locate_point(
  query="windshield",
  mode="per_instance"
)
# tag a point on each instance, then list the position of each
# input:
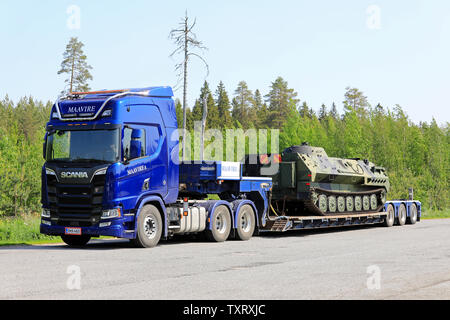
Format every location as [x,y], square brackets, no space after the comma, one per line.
[83,146]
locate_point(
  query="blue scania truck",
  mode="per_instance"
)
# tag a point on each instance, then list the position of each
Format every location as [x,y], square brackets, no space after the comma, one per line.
[112,168]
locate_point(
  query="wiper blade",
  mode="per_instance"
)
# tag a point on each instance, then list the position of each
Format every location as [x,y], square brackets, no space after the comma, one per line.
[89,160]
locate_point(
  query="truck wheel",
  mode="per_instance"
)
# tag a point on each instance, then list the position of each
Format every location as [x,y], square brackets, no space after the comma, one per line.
[412,214]
[149,227]
[221,225]
[76,241]
[402,215]
[245,223]
[390,217]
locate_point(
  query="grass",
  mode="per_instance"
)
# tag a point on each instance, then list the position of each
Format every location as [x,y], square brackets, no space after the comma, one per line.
[430,214]
[23,230]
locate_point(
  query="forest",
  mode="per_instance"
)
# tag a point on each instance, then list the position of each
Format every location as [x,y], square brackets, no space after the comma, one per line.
[416,155]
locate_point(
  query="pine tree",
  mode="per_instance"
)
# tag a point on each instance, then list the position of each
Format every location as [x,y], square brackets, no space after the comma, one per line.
[75,65]
[281,100]
[242,102]
[355,100]
[323,112]
[223,106]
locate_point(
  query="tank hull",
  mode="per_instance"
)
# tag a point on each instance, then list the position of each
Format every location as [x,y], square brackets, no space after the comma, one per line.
[309,183]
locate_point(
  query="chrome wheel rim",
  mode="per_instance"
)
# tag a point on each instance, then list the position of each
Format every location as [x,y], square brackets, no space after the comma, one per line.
[221,223]
[246,221]
[150,227]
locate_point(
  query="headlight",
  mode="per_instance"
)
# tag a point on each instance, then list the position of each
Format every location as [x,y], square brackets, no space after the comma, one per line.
[107,113]
[111,213]
[50,172]
[45,213]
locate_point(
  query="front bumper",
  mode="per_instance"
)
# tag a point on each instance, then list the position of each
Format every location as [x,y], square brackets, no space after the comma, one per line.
[117,229]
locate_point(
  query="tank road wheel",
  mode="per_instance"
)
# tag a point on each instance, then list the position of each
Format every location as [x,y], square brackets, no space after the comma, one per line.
[221,225]
[323,205]
[246,223]
[366,203]
[149,227]
[412,214]
[349,204]
[358,203]
[383,197]
[402,215]
[75,241]
[341,204]
[373,202]
[390,217]
[332,204]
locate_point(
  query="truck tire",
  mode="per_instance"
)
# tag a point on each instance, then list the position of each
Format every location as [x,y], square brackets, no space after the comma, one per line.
[220,225]
[245,223]
[149,227]
[390,217]
[75,241]
[402,215]
[412,214]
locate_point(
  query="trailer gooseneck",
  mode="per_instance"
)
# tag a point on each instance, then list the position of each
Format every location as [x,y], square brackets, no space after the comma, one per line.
[112,168]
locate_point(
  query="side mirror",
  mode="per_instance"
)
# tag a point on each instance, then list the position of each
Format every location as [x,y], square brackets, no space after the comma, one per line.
[44,147]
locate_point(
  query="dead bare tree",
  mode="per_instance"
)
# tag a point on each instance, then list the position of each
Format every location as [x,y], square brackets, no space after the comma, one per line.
[186,43]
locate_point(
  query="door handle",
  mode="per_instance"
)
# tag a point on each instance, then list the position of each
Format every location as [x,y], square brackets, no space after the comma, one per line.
[146,185]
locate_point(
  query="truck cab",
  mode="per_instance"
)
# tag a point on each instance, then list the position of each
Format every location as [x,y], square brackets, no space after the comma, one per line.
[112,155]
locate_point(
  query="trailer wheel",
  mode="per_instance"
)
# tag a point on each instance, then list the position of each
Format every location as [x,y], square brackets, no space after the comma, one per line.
[402,215]
[390,217]
[245,223]
[221,225]
[75,241]
[412,214]
[149,228]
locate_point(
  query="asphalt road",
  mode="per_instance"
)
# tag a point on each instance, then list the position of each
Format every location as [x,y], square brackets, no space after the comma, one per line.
[410,262]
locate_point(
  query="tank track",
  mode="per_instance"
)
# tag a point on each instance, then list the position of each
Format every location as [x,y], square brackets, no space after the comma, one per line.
[312,207]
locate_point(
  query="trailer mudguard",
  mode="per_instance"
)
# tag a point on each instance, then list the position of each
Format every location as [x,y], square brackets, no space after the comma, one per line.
[211,205]
[236,205]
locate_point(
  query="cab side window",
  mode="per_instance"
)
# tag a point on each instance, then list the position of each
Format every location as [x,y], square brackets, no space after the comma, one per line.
[134,143]
[154,139]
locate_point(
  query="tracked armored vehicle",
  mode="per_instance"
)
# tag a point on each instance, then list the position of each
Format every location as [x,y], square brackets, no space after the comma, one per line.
[308,182]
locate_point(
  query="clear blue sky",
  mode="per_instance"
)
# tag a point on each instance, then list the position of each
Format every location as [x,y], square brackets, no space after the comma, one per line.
[319,47]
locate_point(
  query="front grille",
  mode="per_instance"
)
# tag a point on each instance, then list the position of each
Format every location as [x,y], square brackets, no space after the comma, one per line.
[76,204]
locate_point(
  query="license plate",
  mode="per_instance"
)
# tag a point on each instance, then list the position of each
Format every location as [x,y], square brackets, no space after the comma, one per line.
[73,231]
